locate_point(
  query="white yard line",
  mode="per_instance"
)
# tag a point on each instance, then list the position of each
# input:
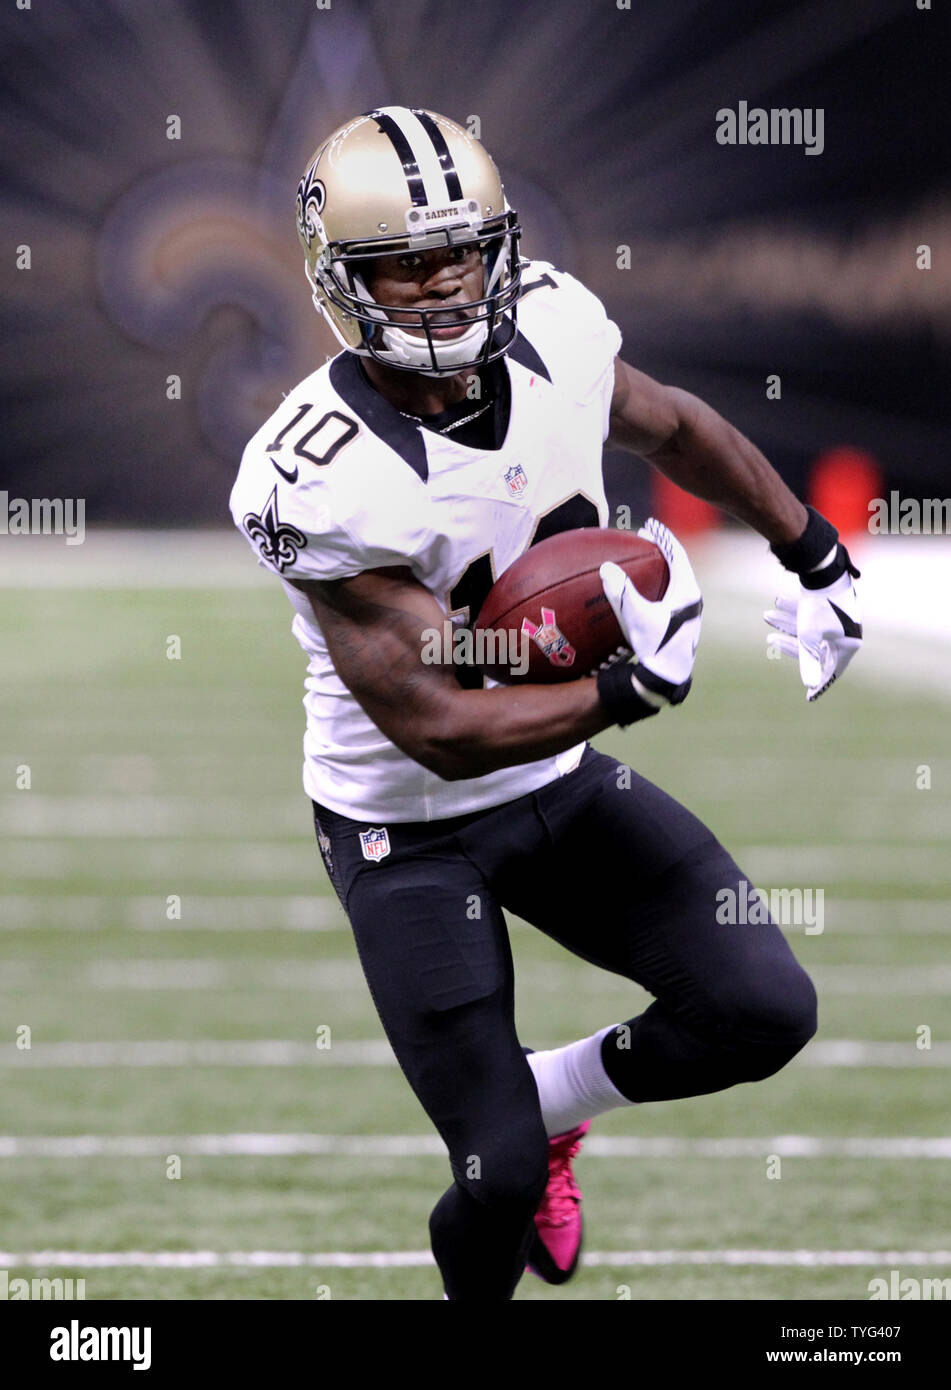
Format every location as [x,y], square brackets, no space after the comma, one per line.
[268,912]
[924,916]
[132,815]
[149,816]
[211,974]
[404,1259]
[886,980]
[342,974]
[199,912]
[294,859]
[284,861]
[279,1052]
[255,1052]
[257,1145]
[818,865]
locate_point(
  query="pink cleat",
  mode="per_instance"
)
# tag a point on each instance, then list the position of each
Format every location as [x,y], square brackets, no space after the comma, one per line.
[556,1245]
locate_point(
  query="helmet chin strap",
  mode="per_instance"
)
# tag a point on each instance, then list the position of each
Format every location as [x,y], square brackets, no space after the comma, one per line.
[411,351]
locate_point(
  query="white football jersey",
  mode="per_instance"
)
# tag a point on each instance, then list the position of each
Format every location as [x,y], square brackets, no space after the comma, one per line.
[338,481]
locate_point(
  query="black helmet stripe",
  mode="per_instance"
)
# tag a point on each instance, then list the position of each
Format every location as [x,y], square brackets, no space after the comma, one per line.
[453,186]
[404,149]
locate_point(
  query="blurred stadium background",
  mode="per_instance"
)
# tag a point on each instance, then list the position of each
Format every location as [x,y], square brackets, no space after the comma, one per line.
[154,780]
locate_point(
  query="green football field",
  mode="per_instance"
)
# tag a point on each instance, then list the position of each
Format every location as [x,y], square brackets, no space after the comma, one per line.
[172,953]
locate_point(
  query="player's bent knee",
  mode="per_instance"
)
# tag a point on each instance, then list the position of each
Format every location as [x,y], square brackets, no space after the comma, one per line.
[779,1015]
[794,1016]
[506,1173]
[778,1027]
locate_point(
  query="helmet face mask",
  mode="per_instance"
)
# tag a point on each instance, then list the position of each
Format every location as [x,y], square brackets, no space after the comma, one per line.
[343,273]
[365,197]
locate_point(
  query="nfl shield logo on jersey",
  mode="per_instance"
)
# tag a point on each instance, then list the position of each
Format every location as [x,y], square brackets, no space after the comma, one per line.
[375,843]
[515,480]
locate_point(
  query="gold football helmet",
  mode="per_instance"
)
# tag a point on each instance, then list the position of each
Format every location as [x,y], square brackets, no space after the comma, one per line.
[396,180]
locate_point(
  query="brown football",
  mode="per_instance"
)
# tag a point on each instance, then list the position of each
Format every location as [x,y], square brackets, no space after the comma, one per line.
[552,594]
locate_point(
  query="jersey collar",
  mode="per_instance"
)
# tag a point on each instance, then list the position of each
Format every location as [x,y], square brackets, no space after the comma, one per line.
[389,424]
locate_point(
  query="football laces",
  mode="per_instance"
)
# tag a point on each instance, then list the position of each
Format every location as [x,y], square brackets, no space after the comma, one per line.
[620,654]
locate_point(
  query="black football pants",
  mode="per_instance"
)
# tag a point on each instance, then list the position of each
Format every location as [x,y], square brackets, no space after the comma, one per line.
[624,877]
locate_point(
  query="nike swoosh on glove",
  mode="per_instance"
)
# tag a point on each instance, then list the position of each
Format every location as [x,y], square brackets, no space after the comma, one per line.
[822,629]
[663,635]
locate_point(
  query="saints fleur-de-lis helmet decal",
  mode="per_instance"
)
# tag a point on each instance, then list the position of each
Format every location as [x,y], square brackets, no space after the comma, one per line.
[401,179]
[311,198]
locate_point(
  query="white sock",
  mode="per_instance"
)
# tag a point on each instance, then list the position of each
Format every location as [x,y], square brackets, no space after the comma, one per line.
[573,1085]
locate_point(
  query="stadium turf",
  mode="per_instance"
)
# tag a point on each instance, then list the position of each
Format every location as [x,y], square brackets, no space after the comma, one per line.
[154,781]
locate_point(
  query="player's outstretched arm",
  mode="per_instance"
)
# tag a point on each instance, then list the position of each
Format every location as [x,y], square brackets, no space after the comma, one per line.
[374,624]
[701,452]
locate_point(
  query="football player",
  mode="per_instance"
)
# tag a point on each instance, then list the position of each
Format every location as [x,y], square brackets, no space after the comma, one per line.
[463,421]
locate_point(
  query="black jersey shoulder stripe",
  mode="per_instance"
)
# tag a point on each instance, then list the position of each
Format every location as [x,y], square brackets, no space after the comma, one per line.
[522,352]
[381,418]
[402,434]
[443,154]
[404,149]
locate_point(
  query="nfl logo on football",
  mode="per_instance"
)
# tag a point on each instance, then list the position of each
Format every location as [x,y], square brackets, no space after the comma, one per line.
[375,843]
[515,480]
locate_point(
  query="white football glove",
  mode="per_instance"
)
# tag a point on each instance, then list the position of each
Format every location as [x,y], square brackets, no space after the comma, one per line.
[821,629]
[663,635]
